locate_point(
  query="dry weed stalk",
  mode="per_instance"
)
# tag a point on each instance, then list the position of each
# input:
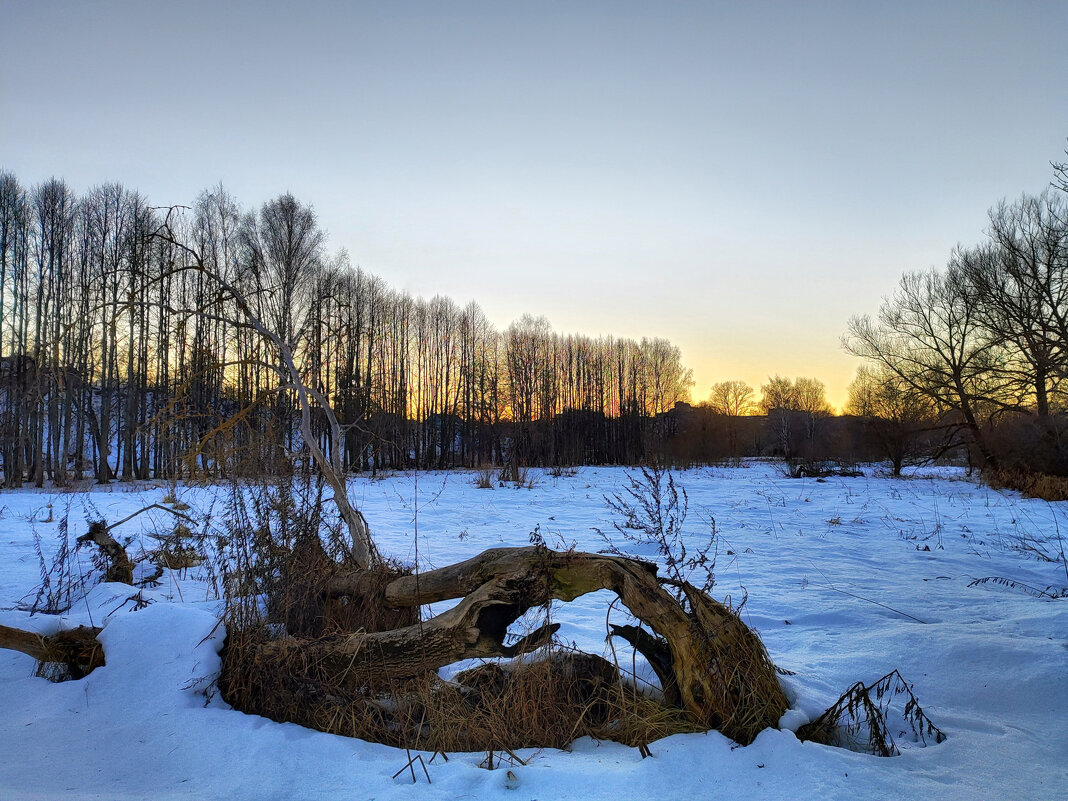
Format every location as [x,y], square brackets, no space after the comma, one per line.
[859,719]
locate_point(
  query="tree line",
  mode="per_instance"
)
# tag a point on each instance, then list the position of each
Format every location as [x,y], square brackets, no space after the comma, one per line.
[119,363]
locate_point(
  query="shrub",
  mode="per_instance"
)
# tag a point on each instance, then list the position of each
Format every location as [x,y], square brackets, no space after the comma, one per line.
[864,719]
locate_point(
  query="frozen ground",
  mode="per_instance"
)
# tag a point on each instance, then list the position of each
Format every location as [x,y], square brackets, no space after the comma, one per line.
[841,586]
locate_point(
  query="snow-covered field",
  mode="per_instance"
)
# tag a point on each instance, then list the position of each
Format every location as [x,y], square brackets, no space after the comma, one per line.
[847,579]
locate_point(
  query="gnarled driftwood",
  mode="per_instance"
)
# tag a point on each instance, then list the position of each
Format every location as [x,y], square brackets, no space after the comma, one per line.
[709,662]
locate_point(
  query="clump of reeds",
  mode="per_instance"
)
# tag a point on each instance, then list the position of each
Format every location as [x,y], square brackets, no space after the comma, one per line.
[484,478]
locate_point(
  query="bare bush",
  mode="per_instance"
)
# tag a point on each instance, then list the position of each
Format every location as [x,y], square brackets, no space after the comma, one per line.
[484,478]
[652,510]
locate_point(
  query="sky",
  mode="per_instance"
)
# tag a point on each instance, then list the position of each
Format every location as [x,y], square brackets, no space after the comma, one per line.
[739,178]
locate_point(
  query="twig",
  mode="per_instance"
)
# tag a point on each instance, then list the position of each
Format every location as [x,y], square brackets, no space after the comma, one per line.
[869,600]
[147,508]
[410,765]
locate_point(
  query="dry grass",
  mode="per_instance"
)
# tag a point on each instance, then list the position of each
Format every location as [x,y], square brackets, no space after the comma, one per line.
[859,720]
[747,693]
[176,556]
[72,654]
[484,478]
[545,703]
[1034,485]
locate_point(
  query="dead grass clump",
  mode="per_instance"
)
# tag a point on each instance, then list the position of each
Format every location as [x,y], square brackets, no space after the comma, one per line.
[546,702]
[296,585]
[176,556]
[1034,485]
[71,654]
[541,703]
[864,719]
[484,478]
[283,560]
[553,700]
[511,472]
[368,611]
[171,499]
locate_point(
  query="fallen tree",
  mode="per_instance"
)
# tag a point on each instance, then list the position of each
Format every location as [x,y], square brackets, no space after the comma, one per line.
[383,684]
[708,661]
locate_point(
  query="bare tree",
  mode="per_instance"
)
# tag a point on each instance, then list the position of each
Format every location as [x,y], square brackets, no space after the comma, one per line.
[99,372]
[795,405]
[309,399]
[899,417]
[731,398]
[668,381]
[282,251]
[929,335]
[778,400]
[1060,174]
[1018,286]
[16,367]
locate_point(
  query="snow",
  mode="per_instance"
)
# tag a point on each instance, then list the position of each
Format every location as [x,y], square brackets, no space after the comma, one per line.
[838,579]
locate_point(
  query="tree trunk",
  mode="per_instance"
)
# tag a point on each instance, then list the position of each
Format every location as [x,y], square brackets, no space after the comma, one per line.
[77,649]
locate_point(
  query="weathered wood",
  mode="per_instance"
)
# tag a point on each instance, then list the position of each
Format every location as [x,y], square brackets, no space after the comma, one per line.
[567,570]
[474,628]
[120,566]
[720,671]
[657,653]
[77,649]
[27,642]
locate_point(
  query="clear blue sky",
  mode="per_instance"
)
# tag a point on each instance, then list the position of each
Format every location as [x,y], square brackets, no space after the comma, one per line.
[737,177]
